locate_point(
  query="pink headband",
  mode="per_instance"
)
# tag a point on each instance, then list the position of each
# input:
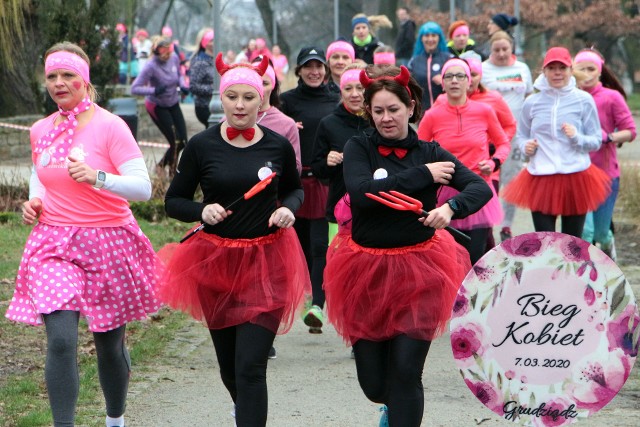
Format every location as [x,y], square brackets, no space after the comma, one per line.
[384,58]
[343,47]
[239,74]
[63,60]
[271,73]
[462,29]
[350,76]
[455,62]
[586,55]
[206,38]
[475,66]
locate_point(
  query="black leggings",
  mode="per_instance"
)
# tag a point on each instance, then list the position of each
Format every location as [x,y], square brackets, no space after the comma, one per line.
[314,239]
[242,352]
[171,123]
[61,367]
[390,372]
[478,244]
[571,224]
[202,114]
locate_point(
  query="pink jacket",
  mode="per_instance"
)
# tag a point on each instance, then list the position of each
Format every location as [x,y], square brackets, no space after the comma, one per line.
[614,115]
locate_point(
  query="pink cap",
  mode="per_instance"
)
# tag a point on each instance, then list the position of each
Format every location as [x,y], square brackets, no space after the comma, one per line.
[455,62]
[384,58]
[557,54]
[63,60]
[590,56]
[341,46]
[350,76]
[167,31]
[121,27]
[271,73]
[142,33]
[206,38]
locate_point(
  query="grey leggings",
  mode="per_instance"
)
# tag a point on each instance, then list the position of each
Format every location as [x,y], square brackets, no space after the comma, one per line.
[61,367]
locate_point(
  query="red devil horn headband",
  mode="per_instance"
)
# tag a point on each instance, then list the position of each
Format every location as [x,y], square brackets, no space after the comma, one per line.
[223,68]
[402,78]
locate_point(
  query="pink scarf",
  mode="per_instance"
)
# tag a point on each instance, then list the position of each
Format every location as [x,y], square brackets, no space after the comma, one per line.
[60,151]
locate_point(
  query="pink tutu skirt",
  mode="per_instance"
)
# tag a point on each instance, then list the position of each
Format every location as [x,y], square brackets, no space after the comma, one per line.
[559,194]
[489,215]
[227,282]
[108,274]
[376,294]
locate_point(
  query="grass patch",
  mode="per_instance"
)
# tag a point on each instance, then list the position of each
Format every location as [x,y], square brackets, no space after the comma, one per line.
[633,100]
[628,204]
[23,397]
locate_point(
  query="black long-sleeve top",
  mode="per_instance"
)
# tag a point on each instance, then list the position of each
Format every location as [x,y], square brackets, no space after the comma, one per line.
[308,105]
[225,173]
[333,133]
[378,226]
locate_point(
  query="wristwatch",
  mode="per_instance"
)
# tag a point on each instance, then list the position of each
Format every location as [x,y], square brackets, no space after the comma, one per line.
[455,206]
[101,177]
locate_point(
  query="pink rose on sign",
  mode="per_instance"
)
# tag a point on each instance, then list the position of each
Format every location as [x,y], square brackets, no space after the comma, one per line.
[461,304]
[466,340]
[598,381]
[575,249]
[620,335]
[556,412]
[526,245]
[488,394]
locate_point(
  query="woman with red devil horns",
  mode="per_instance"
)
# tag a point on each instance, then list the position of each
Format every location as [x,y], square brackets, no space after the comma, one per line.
[245,274]
[390,286]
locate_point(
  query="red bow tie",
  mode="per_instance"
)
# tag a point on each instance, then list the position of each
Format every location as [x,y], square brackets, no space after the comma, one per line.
[248,134]
[385,151]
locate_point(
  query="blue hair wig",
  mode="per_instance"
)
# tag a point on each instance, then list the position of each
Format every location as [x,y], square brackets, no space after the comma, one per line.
[429,27]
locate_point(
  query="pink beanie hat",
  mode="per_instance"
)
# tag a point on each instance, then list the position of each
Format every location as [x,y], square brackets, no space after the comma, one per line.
[475,65]
[384,58]
[238,74]
[342,46]
[206,38]
[455,62]
[63,60]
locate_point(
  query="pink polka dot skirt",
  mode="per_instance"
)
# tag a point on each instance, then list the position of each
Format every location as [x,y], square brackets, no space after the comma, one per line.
[107,274]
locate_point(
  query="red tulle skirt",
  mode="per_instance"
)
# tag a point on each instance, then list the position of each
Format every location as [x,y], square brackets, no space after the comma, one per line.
[559,194]
[314,205]
[489,215]
[377,294]
[227,282]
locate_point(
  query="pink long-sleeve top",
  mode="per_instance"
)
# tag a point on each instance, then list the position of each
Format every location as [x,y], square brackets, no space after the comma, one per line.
[614,115]
[466,131]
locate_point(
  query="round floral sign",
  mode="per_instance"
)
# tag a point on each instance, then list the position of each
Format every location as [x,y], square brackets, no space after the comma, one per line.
[545,329]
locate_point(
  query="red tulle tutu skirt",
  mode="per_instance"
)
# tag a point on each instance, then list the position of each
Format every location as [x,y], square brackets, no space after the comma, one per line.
[227,282]
[489,215]
[314,205]
[377,294]
[559,194]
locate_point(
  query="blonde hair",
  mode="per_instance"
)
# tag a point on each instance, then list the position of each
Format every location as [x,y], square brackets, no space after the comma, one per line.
[67,46]
[375,22]
[501,35]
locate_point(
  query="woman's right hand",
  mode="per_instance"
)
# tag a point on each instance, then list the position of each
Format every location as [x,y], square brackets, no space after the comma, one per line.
[442,172]
[530,147]
[334,158]
[31,210]
[214,213]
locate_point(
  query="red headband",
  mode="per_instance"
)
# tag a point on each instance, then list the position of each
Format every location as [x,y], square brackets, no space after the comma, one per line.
[402,78]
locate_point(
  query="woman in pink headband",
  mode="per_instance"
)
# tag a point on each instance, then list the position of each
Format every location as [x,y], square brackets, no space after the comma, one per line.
[618,127]
[339,55]
[244,275]
[466,128]
[460,40]
[86,167]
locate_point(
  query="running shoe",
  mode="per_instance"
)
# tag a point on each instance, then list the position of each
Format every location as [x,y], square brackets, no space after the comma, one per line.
[272,353]
[505,234]
[384,418]
[314,318]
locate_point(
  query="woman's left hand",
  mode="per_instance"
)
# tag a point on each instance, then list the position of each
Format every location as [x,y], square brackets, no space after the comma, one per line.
[438,218]
[81,172]
[282,217]
[486,167]
[569,130]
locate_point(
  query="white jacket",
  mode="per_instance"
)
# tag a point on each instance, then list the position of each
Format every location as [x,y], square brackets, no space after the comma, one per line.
[543,115]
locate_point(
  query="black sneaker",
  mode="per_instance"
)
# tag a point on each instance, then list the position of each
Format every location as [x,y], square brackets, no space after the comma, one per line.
[272,353]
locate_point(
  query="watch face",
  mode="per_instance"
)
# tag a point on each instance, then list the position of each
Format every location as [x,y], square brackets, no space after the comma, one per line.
[454,205]
[102,176]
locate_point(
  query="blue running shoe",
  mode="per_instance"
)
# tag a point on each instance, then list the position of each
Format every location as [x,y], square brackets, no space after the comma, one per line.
[384,418]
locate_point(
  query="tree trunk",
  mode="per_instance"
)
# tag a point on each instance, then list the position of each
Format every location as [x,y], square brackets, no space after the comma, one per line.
[264,6]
